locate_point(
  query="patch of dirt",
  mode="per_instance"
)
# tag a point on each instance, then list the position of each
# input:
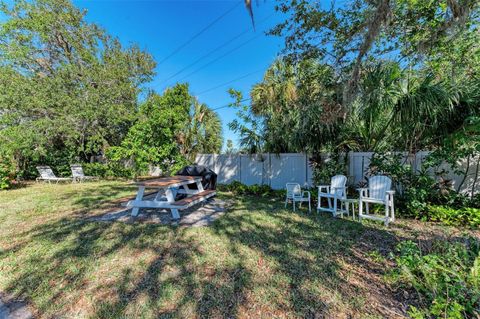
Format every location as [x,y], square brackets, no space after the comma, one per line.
[199,215]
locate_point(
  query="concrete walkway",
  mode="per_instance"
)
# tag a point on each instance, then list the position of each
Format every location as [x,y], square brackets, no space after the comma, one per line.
[196,216]
[13,309]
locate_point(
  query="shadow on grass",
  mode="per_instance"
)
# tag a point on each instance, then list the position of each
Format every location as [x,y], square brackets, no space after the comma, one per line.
[312,247]
[101,196]
[306,257]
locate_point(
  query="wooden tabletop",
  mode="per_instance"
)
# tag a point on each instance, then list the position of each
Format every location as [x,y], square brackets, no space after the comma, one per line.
[172,181]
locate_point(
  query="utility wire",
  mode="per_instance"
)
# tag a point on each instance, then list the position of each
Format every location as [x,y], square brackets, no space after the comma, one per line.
[231,81]
[206,55]
[179,48]
[220,57]
[215,50]
[227,105]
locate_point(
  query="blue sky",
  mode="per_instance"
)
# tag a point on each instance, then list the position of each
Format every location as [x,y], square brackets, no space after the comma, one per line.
[161,27]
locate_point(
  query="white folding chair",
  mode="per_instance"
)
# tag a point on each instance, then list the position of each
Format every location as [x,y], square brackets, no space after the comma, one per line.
[378,192]
[46,174]
[78,174]
[334,192]
[295,194]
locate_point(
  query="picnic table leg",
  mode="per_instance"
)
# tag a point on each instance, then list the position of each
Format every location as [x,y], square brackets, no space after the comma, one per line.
[139,197]
[200,186]
[170,193]
[159,195]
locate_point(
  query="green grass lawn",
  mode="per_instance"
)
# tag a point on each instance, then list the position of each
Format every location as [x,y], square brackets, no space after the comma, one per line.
[257,261]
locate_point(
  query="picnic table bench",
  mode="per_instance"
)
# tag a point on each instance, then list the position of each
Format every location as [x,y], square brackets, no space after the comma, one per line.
[168,188]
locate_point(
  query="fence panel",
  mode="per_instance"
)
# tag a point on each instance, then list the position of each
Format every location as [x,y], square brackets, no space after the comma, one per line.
[285,168]
[228,169]
[278,169]
[252,169]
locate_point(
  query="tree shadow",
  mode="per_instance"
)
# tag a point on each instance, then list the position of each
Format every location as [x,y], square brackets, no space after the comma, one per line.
[298,261]
[316,248]
[73,244]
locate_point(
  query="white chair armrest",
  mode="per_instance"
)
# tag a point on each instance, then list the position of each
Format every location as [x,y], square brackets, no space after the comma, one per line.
[363,192]
[320,187]
[390,194]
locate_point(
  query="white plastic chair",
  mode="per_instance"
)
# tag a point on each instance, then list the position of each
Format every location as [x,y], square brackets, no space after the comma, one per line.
[295,194]
[78,174]
[378,192]
[336,191]
[46,174]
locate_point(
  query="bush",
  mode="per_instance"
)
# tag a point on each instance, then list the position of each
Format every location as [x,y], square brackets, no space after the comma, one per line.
[446,278]
[324,169]
[112,169]
[7,173]
[242,189]
[422,197]
[465,216]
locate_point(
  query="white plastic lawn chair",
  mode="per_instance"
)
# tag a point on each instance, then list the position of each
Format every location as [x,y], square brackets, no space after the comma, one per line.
[337,190]
[295,194]
[78,174]
[378,192]
[46,174]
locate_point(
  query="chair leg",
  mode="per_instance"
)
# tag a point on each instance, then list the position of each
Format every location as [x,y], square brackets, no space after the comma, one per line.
[286,202]
[335,207]
[392,209]
[387,215]
[293,204]
[360,209]
[367,208]
[319,204]
[309,206]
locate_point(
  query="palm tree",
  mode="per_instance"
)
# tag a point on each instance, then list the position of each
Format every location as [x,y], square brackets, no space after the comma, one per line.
[202,132]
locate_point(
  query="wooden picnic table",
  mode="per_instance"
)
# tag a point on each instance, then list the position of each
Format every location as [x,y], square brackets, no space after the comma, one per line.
[168,188]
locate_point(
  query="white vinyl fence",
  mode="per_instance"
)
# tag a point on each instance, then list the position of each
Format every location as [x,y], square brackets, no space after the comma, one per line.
[278,169]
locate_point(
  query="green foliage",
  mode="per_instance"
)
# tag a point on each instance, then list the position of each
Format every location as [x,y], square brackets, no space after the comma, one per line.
[347,35]
[463,143]
[68,90]
[419,195]
[445,277]
[111,169]
[464,216]
[202,132]
[241,189]
[171,128]
[324,169]
[298,106]
[247,125]
[415,190]
[7,173]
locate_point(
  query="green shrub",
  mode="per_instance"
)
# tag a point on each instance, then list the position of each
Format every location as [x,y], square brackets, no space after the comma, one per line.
[465,216]
[7,173]
[423,197]
[324,169]
[242,189]
[112,169]
[446,278]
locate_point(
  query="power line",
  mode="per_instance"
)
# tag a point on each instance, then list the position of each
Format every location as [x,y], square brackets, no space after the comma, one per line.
[231,81]
[206,55]
[215,50]
[179,48]
[227,105]
[220,57]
